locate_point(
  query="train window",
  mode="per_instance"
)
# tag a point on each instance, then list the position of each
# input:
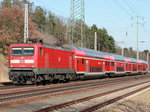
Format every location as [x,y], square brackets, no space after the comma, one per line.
[112,63]
[108,63]
[78,61]
[82,61]
[16,51]
[139,66]
[41,51]
[25,51]
[28,51]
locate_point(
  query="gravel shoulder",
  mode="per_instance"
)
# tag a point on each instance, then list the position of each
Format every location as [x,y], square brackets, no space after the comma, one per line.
[135,103]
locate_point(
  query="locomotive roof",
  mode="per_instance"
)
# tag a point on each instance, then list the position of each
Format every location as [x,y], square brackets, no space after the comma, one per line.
[55,47]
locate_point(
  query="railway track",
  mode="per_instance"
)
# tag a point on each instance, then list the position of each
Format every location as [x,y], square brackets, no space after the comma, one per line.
[65,106]
[9,96]
[9,85]
[98,106]
[19,89]
[2,84]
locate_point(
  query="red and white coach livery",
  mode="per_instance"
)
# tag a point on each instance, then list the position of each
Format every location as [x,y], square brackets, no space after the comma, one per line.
[36,62]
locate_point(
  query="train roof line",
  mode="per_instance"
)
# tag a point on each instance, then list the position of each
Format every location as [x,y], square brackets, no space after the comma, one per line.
[89,52]
[117,57]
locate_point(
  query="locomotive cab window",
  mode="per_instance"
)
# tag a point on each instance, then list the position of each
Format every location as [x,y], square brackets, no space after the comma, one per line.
[26,51]
[16,51]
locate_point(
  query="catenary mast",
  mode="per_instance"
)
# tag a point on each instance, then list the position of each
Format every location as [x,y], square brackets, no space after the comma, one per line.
[26,31]
[76,14]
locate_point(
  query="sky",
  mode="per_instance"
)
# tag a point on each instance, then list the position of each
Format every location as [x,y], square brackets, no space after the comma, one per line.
[117,16]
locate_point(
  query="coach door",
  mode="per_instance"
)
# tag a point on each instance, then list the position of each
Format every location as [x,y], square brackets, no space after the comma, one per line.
[70,62]
[46,60]
[87,66]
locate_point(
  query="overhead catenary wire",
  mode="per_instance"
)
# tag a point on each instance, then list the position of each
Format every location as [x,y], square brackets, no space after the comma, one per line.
[65,18]
[130,13]
[130,7]
[148,25]
[126,11]
[146,32]
[45,4]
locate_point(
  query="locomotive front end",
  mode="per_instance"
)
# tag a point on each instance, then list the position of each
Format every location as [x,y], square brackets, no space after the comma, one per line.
[22,63]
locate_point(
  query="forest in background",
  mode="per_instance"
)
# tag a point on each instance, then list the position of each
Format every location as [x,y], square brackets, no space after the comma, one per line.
[51,28]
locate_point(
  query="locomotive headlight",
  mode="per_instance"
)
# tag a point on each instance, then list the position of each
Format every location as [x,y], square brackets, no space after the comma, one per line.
[11,66]
[33,66]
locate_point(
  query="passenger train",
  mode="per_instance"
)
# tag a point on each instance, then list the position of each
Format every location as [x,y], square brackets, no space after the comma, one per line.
[38,62]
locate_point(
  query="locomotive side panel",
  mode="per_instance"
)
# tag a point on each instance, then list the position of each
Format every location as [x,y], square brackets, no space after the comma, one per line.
[55,61]
[61,59]
[41,57]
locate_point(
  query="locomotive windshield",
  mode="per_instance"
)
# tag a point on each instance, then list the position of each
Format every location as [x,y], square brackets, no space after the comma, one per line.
[26,51]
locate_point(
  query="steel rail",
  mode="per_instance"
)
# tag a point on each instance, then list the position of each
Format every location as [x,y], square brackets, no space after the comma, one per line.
[63,105]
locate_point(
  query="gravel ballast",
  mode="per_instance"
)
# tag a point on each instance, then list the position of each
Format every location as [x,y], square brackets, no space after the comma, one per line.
[135,103]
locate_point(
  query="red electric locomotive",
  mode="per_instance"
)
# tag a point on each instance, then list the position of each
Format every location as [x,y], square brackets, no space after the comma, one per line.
[37,62]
